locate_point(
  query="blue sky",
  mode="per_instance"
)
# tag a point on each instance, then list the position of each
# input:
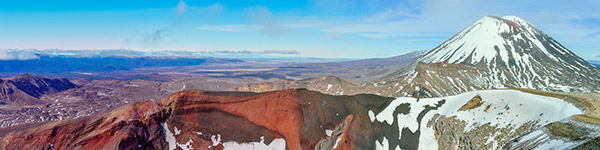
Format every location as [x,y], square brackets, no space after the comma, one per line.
[314,28]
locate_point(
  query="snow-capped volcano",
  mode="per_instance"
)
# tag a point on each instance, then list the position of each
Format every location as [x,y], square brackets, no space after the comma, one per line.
[509,40]
[496,52]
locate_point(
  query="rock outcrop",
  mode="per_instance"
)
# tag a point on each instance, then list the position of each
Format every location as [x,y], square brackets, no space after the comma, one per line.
[93,97]
[27,89]
[325,84]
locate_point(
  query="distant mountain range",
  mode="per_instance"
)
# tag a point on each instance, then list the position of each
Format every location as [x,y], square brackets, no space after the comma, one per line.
[60,64]
[363,70]
[326,84]
[596,63]
[367,69]
[24,54]
[27,89]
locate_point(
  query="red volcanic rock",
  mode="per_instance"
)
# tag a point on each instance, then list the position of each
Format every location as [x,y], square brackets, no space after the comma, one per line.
[276,111]
[339,139]
[131,126]
[287,119]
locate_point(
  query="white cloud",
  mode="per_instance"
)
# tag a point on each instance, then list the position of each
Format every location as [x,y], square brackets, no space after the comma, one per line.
[208,13]
[17,54]
[158,37]
[181,7]
[151,39]
[5,56]
[267,23]
[247,52]
[408,28]
[271,51]
[249,27]
[226,28]
[444,18]
[421,40]
[216,7]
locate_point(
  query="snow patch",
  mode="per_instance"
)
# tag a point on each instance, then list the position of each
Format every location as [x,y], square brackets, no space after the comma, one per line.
[371,115]
[328,132]
[384,145]
[169,136]
[405,120]
[508,108]
[276,144]
[337,142]
[176,130]
[186,146]
[216,140]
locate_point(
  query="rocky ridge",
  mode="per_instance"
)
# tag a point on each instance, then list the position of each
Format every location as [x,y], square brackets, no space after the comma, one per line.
[303,119]
[27,89]
[325,84]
